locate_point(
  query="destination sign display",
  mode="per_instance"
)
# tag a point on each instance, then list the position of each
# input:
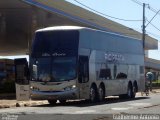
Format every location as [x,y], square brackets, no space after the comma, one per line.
[54,54]
[114,57]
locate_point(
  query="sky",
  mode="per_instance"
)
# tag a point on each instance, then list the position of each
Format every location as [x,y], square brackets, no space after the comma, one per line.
[128,10]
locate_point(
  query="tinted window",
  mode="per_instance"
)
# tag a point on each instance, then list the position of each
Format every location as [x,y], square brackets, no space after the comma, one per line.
[54,69]
[42,69]
[64,68]
[55,42]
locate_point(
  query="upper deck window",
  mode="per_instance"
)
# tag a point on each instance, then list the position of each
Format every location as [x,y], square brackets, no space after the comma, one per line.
[53,43]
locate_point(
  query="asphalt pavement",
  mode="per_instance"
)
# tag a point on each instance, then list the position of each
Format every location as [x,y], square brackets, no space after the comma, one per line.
[111,108]
[9,100]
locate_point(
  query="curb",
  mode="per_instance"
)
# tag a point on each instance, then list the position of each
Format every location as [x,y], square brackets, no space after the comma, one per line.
[30,103]
[24,104]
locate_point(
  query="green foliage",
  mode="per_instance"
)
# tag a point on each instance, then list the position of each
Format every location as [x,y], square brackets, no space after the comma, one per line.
[156,83]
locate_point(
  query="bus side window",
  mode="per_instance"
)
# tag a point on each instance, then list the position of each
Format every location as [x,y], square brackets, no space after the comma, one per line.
[83,74]
[121,76]
[105,74]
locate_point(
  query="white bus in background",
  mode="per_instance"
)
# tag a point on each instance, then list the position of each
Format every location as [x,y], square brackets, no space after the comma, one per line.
[70,62]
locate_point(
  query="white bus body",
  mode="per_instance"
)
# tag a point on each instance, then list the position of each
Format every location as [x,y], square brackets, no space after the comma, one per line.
[83,63]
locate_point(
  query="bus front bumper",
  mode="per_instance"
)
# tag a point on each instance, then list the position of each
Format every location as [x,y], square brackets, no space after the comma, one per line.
[54,95]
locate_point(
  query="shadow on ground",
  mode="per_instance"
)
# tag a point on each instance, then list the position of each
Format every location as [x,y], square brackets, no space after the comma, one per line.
[85,103]
[7,96]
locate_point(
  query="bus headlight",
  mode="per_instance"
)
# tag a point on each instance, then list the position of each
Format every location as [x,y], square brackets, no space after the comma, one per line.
[73,86]
[31,87]
[34,88]
[70,87]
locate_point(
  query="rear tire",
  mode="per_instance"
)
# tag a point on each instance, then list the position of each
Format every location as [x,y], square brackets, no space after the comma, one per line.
[101,94]
[129,94]
[93,94]
[134,90]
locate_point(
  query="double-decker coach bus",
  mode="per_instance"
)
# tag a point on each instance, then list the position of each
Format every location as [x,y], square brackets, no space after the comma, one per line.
[70,62]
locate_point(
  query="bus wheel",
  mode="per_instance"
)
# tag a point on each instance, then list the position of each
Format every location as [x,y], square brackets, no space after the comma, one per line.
[52,102]
[62,101]
[124,96]
[129,92]
[93,94]
[101,94]
[134,90]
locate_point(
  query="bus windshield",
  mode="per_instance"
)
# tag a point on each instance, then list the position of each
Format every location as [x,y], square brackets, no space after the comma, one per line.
[64,68]
[54,69]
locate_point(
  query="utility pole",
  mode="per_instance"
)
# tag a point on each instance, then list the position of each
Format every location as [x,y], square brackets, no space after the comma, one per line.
[143,27]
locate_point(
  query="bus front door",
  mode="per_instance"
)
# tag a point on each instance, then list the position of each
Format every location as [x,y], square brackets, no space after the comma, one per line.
[83,76]
[22,79]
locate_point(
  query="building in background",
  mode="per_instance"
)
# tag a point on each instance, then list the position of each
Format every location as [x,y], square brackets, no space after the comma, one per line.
[16,33]
[152,65]
[7,75]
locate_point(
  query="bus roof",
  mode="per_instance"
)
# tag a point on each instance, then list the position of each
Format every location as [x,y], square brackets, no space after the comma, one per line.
[55,28]
[59,28]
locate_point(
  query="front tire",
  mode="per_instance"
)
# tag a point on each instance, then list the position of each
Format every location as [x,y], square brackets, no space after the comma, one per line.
[52,102]
[62,101]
